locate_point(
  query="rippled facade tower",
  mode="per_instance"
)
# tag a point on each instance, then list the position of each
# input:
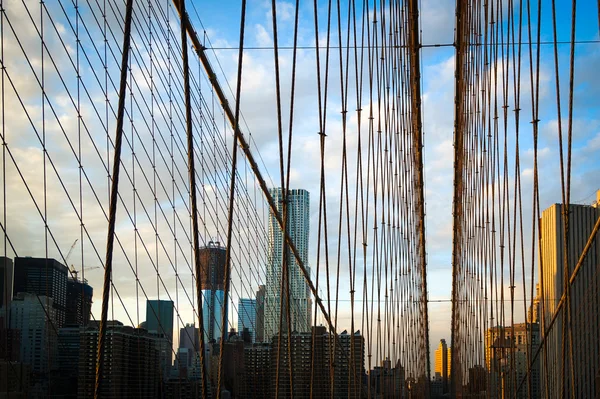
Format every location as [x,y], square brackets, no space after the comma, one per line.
[298,225]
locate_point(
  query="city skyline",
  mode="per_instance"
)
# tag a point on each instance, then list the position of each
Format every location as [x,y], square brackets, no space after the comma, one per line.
[430,150]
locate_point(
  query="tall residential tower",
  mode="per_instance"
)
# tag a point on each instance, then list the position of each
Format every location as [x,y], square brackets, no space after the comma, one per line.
[298,223]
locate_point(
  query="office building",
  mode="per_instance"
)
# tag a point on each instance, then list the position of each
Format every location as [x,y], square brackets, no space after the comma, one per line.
[298,223]
[189,346]
[6,282]
[387,381]
[212,282]
[507,362]
[38,337]
[247,317]
[260,313]
[585,303]
[189,338]
[443,361]
[159,321]
[131,362]
[79,303]
[46,277]
[66,381]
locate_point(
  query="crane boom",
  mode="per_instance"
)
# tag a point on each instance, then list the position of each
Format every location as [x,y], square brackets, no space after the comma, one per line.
[71,250]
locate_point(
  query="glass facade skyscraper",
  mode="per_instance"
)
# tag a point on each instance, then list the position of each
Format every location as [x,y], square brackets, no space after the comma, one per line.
[159,319]
[247,317]
[212,282]
[298,227]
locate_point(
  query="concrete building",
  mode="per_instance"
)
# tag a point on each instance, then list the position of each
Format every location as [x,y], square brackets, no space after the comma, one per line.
[260,313]
[349,365]
[131,363]
[212,282]
[388,382]
[507,360]
[298,223]
[189,347]
[312,355]
[257,359]
[443,361]
[189,338]
[46,277]
[247,316]
[585,303]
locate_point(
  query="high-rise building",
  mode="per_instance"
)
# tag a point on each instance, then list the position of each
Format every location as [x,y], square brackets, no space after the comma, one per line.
[46,277]
[387,381]
[533,314]
[131,362]
[507,361]
[189,338]
[79,303]
[298,223]
[585,303]
[442,364]
[69,341]
[247,316]
[189,346]
[35,316]
[6,281]
[212,282]
[260,313]
[349,365]
[159,320]
[311,356]
[257,359]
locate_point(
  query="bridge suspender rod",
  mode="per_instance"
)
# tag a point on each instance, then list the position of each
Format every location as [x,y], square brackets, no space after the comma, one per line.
[193,200]
[114,192]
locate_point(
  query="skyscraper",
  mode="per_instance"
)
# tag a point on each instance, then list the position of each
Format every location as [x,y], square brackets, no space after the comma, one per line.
[79,302]
[260,313]
[298,224]
[34,316]
[188,337]
[189,347]
[442,364]
[212,283]
[46,277]
[159,320]
[585,303]
[247,316]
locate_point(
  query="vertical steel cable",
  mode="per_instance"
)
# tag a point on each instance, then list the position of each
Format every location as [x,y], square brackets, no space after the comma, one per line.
[113,198]
[236,131]
[192,183]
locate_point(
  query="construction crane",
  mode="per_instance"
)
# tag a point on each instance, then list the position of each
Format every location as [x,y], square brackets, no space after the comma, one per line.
[75,272]
[71,250]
